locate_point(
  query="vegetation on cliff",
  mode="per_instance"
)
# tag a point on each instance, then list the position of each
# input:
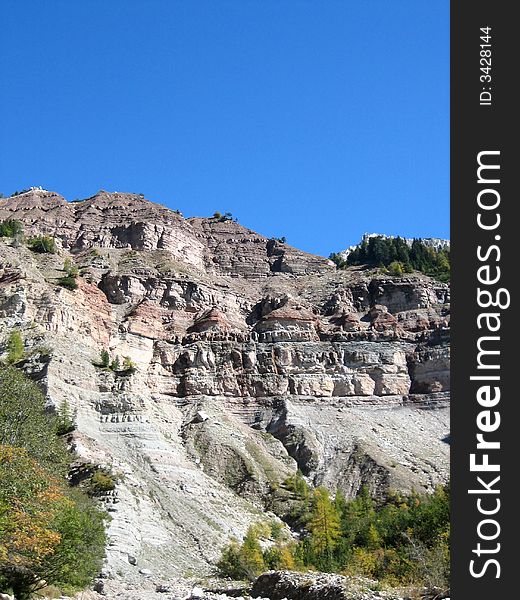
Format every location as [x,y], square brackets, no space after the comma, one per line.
[398,257]
[49,532]
[10,228]
[71,273]
[42,244]
[128,366]
[405,540]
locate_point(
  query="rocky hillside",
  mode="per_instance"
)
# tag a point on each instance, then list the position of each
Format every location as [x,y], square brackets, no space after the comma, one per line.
[253,359]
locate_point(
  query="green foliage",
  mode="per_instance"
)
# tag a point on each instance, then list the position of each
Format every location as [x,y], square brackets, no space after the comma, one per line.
[279,557]
[303,494]
[222,218]
[19,192]
[296,483]
[247,560]
[79,555]
[49,533]
[43,244]
[129,365]
[230,562]
[25,423]
[105,358]
[15,348]
[68,282]
[405,540]
[276,530]
[338,260]
[242,561]
[396,268]
[323,526]
[115,365]
[10,228]
[127,368]
[30,500]
[65,418]
[398,257]
[70,268]
[252,559]
[102,482]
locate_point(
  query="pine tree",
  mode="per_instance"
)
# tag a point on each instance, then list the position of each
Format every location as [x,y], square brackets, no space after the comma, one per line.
[324,527]
[252,558]
[116,364]
[105,358]
[66,418]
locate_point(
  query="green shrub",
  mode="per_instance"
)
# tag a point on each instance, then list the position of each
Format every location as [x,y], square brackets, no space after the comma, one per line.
[404,540]
[115,365]
[25,423]
[222,218]
[43,244]
[70,268]
[68,282]
[105,358]
[127,368]
[79,556]
[15,348]
[243,561]
[129,365]
[247,560]
[65,418]
[10,228]
[338,260]
[101,482]
[396,268]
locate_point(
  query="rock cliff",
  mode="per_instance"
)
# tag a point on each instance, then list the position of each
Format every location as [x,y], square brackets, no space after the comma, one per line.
[253,359]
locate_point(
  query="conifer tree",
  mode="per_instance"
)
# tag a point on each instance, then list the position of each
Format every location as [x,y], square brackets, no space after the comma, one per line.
[324,527]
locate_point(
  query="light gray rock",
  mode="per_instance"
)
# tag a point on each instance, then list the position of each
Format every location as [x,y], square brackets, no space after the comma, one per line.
[343,374]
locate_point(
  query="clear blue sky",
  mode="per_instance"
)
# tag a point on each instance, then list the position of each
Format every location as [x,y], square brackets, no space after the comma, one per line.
[318,120]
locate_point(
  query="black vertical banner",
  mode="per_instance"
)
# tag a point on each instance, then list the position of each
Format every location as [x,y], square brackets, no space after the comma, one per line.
[485,240]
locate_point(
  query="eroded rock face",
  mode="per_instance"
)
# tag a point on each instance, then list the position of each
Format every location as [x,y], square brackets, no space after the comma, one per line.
[286,585]
[294,365]
[116,220]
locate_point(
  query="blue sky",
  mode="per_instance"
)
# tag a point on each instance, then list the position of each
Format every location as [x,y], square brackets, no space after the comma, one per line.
[314,120]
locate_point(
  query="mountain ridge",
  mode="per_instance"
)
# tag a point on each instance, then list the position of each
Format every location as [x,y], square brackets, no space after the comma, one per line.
[253,360]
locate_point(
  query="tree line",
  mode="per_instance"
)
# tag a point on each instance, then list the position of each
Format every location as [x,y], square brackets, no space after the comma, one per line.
[51,534]
[397,257]
[403,540]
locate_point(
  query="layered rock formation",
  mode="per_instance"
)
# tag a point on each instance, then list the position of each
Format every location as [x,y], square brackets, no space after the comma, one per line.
[253,359]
